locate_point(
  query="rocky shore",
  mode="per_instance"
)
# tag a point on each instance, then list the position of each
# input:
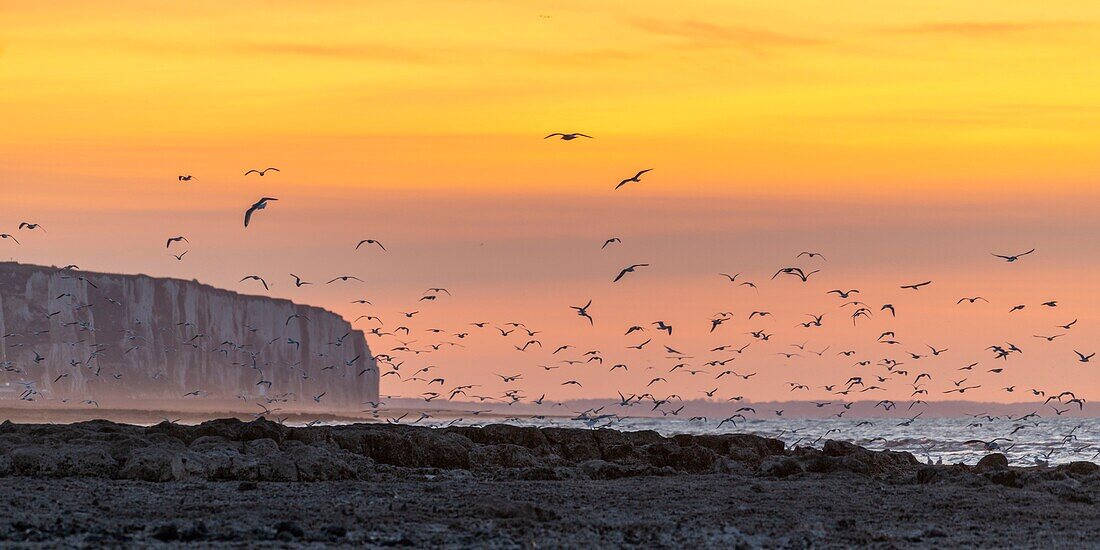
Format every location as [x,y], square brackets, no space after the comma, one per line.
[228,482]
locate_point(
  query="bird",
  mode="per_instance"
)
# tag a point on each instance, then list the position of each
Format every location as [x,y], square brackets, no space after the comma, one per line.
[298,281]
[8,236]
[187,177]
[261,172]
[258,205]
[1082,357]
[583,312]
[179,257]
[1013,258]
[344,278]
[171,240]
[569,137]
[369,241]
[796,272]
[843,294]
[255,278]
[917,286]
[971,299]
[629,269]
[610,241]
[31,226]
[636,178]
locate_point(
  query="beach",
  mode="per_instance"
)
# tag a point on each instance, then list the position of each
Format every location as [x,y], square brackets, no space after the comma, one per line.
[234,483]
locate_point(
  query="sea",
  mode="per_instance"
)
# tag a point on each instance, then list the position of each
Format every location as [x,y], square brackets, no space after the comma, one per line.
[958,440]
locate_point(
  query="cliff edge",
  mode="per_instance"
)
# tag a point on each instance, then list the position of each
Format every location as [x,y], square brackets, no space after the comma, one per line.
[70,335]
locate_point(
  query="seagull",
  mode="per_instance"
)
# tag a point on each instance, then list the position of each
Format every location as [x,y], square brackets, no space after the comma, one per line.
[609,241]
[298,281]
[796,271]
[628,270]
[812,255]
[1011,259]
[971,300]
[369,241]
[258,205]
[569,137]
[344,278]
[255,278]
[184,178]
[179,257]
[1082,357]
[635,179]
[261,172]
[583,312]
[7,236]
[31,226]
[917,286]
[175,240]
[843,294]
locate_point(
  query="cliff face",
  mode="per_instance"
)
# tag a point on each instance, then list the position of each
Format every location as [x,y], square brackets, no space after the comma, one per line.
[92,336]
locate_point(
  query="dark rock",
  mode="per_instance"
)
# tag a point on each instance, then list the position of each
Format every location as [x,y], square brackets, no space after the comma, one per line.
[994,461]
[1079,468]
[291,528]
[781,466]
[166,532]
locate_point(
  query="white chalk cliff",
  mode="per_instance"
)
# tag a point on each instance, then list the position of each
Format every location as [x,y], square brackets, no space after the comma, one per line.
[144,338]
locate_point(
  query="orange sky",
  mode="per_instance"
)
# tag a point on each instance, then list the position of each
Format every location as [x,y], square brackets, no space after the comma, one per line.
[905,140]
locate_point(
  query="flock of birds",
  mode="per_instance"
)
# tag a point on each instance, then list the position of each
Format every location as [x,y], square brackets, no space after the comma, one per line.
[719,365]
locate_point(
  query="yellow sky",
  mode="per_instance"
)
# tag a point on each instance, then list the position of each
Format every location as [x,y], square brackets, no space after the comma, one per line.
[907,140]
[723,96]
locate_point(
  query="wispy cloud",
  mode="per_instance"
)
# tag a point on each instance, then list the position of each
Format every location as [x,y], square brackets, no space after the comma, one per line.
[987,29]
[355,51]
[711,35]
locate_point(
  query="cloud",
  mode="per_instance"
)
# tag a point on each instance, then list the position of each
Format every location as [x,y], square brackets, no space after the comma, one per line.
[352,51]
[984,29]
[700,34]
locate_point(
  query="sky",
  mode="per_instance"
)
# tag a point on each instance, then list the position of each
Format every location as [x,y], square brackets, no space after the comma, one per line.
[905,141]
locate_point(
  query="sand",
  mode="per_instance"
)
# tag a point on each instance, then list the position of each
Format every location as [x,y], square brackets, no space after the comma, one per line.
[231,483]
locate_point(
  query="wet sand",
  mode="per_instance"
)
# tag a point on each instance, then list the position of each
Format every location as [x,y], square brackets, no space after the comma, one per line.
[259,483]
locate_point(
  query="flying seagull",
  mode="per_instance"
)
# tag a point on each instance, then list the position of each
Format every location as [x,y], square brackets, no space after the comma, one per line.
[1013,258]
[344,278]
[635,179]
[175,240]
[31,226]
[917,286]
[255,278]
[568,137]
[261,172]
[583,312]
[626,270]
[258,205]
[369,241]
[609,241]
[7,236]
